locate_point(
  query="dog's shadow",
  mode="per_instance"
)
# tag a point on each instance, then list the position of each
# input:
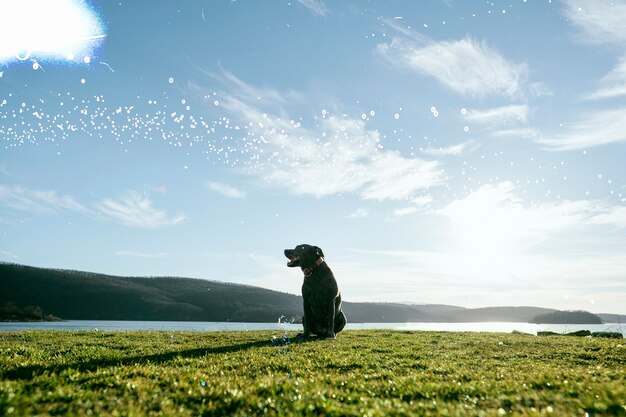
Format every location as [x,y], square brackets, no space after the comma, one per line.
[31,371]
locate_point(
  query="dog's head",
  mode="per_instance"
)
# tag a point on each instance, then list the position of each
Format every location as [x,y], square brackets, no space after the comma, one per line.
[303,256]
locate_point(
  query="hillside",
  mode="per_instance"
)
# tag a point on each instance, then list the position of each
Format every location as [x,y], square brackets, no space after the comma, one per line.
[75,295]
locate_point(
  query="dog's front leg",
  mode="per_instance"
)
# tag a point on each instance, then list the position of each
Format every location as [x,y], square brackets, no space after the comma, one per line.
[330,323]
[306,323]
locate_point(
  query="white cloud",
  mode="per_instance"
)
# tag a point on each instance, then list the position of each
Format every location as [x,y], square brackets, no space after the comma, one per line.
[418,205]
[450,150]
[498,250]
[405,211]
[136,210]
[499,115]
[602,21]
[495,222]
[599,128]
[339,155]
[465,66]
[316,7]
[613,84]
[38,201]
[359,213]
[494,219]
[226,190]
[529,280]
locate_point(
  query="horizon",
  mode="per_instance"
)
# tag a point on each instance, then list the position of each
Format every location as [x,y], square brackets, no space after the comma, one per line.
[409,303]
[448,152]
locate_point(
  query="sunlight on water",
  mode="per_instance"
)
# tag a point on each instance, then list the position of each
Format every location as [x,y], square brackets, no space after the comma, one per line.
[282,338]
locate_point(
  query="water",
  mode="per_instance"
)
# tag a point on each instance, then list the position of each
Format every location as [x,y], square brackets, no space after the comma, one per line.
[103,325]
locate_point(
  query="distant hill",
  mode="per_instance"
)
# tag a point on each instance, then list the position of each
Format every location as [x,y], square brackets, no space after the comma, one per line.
[76,295]
[567,317]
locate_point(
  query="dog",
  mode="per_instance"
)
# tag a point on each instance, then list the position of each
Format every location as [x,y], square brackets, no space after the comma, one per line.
[322,300]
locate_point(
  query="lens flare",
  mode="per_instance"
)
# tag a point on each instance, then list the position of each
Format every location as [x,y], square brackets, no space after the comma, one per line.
[48,30]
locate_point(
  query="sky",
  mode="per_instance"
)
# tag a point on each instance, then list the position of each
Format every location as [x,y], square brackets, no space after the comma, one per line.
[457,152]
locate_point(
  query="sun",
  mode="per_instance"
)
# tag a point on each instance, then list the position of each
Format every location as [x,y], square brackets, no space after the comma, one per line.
[48,30]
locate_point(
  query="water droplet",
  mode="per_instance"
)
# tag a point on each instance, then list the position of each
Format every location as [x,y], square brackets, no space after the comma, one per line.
[363,116]
[87,59]
[216,103]
[463,111]
[35,66]
[396,116]
[171,80]
[82,81]
[466,129]
[372,113]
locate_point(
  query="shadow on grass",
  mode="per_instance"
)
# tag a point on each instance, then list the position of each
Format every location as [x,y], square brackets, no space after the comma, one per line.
[28,372]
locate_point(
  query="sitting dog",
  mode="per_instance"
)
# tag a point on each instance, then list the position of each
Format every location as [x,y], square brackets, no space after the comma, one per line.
[322,299]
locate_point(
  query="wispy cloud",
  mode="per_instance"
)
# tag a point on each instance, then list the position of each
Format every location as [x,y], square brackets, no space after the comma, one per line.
[359,213]
[523,132]
[466,66]
[404,211]
[613,84]
[316,7]
[599,128]
[498,116]
[418,204]
[7,254]
[38,201]
[132,209]
[133,254]
[457,149]
[602,21]
[135,209]
[225,190]
[613,216]
[246,92]
[339,155]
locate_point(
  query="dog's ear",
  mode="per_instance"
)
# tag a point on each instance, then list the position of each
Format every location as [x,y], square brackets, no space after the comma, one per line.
[319,251]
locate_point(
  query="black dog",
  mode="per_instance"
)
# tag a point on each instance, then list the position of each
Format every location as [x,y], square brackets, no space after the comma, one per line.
[322,299]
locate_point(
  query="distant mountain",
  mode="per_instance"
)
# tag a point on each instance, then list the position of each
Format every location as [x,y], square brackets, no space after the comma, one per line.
[76,295]
[612,318]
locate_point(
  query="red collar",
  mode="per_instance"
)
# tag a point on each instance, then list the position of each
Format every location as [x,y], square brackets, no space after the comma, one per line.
[309,270]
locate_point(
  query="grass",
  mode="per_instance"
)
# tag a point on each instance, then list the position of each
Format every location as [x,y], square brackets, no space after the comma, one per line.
[373,373]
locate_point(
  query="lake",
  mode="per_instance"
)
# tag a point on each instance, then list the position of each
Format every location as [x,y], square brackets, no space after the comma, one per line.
[104,325]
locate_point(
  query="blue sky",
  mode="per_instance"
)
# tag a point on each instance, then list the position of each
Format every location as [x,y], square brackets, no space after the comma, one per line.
[468,153]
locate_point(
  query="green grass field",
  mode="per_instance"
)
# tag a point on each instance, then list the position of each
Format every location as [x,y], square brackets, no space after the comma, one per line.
[373,373]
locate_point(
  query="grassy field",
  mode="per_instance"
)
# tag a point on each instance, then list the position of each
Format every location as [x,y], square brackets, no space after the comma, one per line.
[373,373]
